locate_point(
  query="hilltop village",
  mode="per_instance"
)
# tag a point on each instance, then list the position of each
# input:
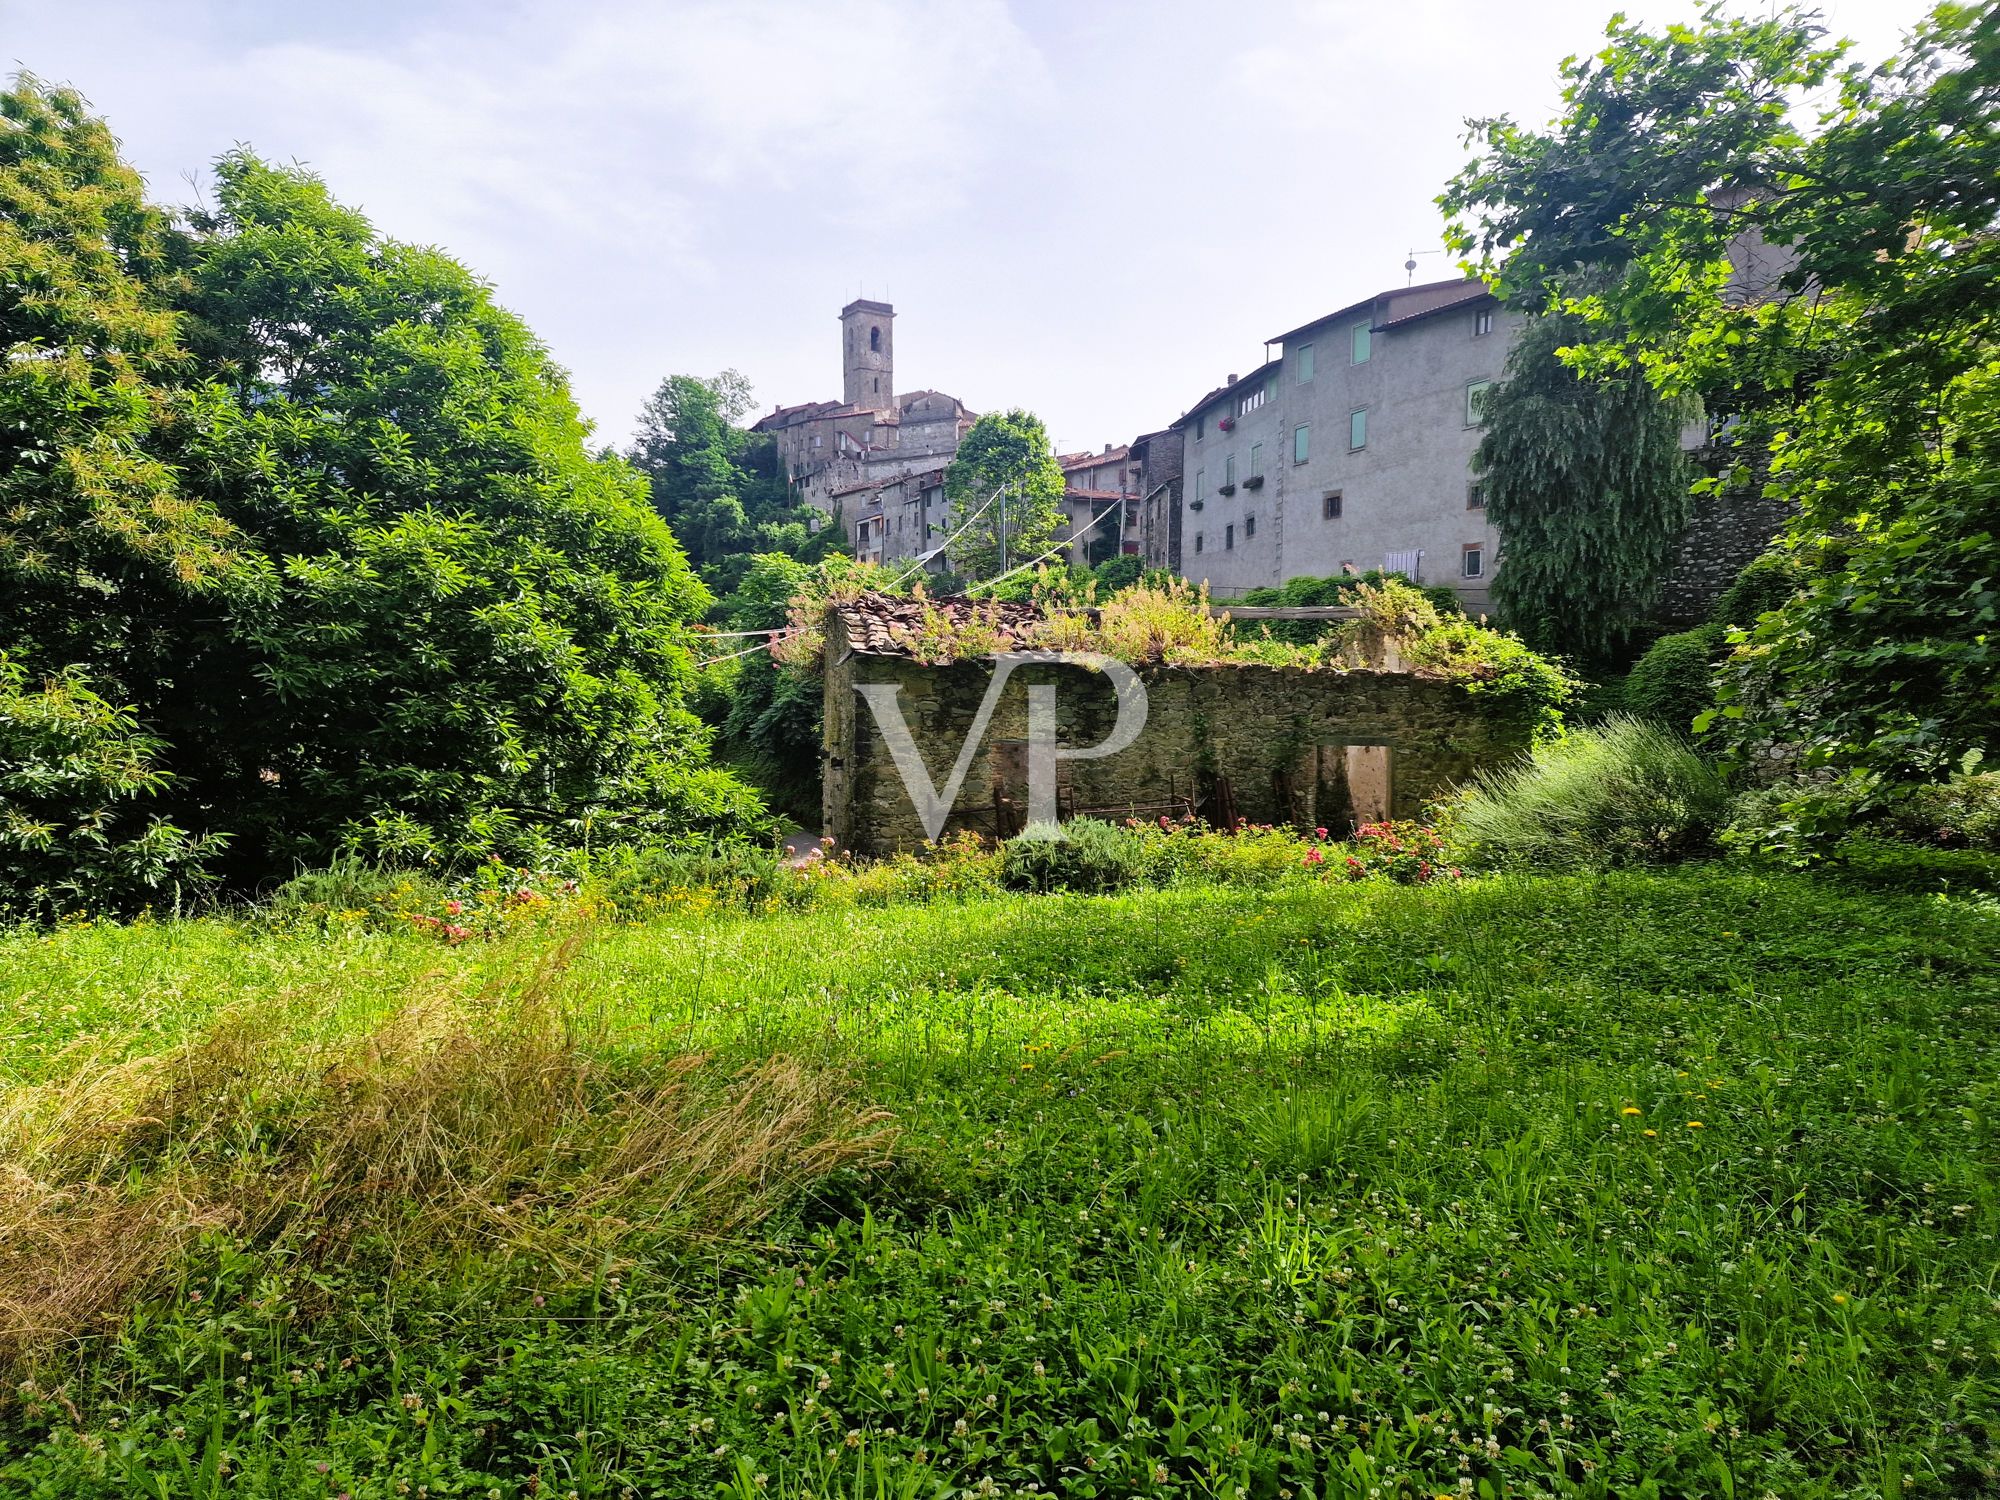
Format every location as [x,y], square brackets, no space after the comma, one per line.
[1350,450]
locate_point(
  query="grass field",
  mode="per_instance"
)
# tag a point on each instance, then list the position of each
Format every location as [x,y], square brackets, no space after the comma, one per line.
[1665,1185]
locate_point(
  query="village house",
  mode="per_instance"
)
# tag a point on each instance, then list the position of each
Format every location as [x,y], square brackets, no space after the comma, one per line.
[1349,449]
[1101,504]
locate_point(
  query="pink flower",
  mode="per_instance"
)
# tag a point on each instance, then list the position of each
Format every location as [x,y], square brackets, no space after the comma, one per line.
[453,908]
[1313,856]
[1319,833]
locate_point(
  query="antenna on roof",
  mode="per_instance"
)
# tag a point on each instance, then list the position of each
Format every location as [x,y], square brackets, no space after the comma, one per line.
[1410,265]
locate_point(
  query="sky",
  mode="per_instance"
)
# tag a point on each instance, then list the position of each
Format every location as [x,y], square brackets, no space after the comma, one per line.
[1094,209]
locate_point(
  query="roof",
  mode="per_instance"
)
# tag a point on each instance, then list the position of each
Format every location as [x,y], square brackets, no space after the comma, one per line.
[885,625]
[1385,302]
[1252,378]
[1089,460]
[1073,493]
[862,304]
[786,416]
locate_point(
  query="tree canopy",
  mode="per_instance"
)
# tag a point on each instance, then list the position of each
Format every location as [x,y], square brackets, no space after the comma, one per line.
[1585,478]
[1005,489]
[322,513]
[1807,246]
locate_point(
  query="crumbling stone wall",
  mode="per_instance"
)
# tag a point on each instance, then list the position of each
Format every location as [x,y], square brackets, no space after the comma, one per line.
[1246,738]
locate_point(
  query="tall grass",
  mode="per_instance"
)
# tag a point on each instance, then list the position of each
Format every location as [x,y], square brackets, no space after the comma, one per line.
[1626,793]
[500,1123]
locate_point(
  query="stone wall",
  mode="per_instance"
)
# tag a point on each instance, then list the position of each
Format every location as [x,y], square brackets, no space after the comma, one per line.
[1724,536]
[1241,739]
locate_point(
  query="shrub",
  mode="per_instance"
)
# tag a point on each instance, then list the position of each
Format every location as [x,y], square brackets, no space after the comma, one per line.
[1406,852]
[1963,813]
[1675,679]
[1767,583]
[1084,854]
[74,838]
[728,872]
[1627,793]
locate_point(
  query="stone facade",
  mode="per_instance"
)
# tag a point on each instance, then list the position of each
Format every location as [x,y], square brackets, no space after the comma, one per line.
[1100,503]
[842,456]
[1724,536]
[1268,744]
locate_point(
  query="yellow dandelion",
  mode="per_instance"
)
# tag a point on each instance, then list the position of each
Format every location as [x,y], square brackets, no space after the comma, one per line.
[1631,1109]
[1840,1299]
[1652,1132]
[1696,1125]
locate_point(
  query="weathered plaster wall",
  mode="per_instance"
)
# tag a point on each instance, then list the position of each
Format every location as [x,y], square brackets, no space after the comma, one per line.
[1257,727]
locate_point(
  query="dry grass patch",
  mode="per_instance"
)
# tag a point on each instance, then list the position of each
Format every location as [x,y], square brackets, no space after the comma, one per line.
[496,1124]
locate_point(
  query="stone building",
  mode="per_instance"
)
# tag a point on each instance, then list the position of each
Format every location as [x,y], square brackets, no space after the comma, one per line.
[1271,744]
[1350,449]
[1100,503]
[855,458]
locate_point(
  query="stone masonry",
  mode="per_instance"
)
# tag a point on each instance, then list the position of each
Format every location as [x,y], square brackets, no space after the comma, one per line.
[1256,742]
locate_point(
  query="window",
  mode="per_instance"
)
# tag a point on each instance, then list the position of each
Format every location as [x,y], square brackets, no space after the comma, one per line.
[1301,444]
[1197,541]
[1475,401]
[1229,538]
[1249,401]
[1256,460]
[1363,336]
[1200,426]
[1475,496]
[1302,362]
[1201,484]
[874,341]
[1473,560]
[1357,428]
[1482,322]
[1249,527]
[1229,471]
[1329,505]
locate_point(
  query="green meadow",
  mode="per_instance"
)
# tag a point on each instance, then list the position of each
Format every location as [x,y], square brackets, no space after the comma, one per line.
[1636,1185]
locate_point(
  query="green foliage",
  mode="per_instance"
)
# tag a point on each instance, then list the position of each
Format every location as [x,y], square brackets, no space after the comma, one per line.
[1586,479]
[1084,854]
[1341,588]
[1858,363]
[1767,583]
[102,550]
[1005,459]
[76,773]
[719,487]
[1190,1167]
[322,513]
[1628,793]
[1675,680]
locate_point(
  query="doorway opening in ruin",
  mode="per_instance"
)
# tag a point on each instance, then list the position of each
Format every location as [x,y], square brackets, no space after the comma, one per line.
[1346,786]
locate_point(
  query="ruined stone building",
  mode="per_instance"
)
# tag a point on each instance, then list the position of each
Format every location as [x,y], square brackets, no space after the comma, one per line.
[1317,748]
[875,458]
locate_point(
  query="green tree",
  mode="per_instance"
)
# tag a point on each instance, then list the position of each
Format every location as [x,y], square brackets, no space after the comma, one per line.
[719,487]
[322,514]
[1587,482]
[1006,491]
[477,639]
[1828,285]
[101,549]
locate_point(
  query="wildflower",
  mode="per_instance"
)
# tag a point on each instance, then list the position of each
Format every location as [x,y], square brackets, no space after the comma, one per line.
[1319,833]
[1696,1125]
[1840,1299]
[1652,1132]
[1631,1109]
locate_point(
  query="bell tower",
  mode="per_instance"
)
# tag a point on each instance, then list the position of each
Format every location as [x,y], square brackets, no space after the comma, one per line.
[867,357]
